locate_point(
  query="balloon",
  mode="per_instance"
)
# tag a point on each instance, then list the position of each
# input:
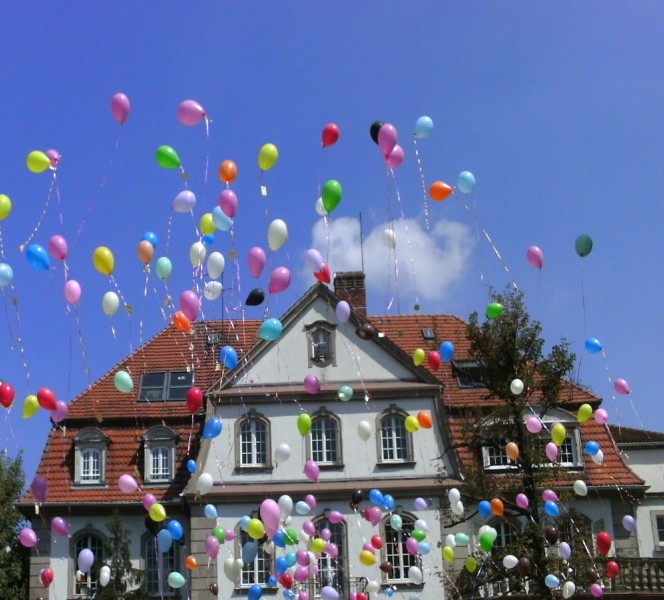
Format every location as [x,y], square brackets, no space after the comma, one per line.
[550,534]
[267,156]
[374,129]
[221,221]
[228,172]
[601,416]
[228,357]
[190,304]
[471,564]
[257,260]
[549,495]
[415,575]
[194,399]
[512,451]
[72,291]
[59,527]
[164,540]
[163,268]
[510,561]
[191,465]
[497,507]
[569,589]
[622,387]
[447,351]
[212,290]
[411,424]
[148,501]
[103,260]
[564,550]
[46,576]
[312,470]
[167,158]
[6,394]
[30,406]
[461,539]
[591,448]
[418,357]
[629,523]
[37,161]
[270,514]
[558,434]
[256,530]
[523,566]
[6,274]
[280,279]
[584,413]
[255,297]
[206,224]
[127,484]
[466,182]
[120,107]
[204,483]
[494,310]
[37,257]
[57,247]
[228,202]
[364,430]
[304,423]
[434,360]
[533,425]
[593,345]
[47,399]
[311,384]
[85,560]
[211,546]
[396,157]
[150,237]
[39,488]
[389,238]
[181,322]
[145,251]
[366,331]
[330,135]
[424,419]
[551,509]
[255,592]
[453,496]
[486,542]
[448,554]
[551,581]
[580,488]
[387,138]
[598,458]
[27,537]
[345,393]
[439,191]
[277,234]
[423,127]
[342,311]
[583,245]
[191,562]
[176,580]
[184,202]
[212,428]
[331,194]
[612,569]
[190,112]
[5,206]
[197,254]
[603,542]
[551,451]
[104,576]
[420,504]
[123,382]
[270,329]
[535,257]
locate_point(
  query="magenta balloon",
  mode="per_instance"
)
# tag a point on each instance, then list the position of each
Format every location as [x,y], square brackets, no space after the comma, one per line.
[303,596]
[85,560]
[60,412]
[332,550]
[54,157]
[211,546]
[310,499]
[375,515]
[301,574]
[72,291]
[311,470]
[395,158]
[535,257]
[335,517]
[326,534]
[412,545]
[148,501]
[302,558]
[190,304]
[270,515]
[230,535]
[534,425]
[522,501]
[120,107]
[228,202]
[190,112]
[309,528]
[387,138]
[311,384]
[368,547]
[59,527]
[601,416]
[57,247]
[343,311]
[549,496]
[622,387]
[27,537]
[127,484]
[39,488]
[257,260]
[280,279]
[314,260]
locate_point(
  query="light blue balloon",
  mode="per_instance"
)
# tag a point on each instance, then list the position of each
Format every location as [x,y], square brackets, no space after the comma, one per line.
[466,182]
[302,508]
[564,550]
[249,552]
[175,527]
[270,329]
[396,522]
[212,428]
[423,548]
[164,540]
[288,594]
[6,274]
[291,558]
[221,221]
[551,581]
[228,357]
[423,127]
[163,268]
[244,522]
[551,508]
[389,592]
[447,351]
[37,257]
[210,511]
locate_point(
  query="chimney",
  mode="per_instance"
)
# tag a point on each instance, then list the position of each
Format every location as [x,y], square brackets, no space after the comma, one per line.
[349,286]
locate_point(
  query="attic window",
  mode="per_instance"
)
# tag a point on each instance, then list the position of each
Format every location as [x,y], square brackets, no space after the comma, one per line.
[320,341]
[468,373]
[428,333]
[165,386]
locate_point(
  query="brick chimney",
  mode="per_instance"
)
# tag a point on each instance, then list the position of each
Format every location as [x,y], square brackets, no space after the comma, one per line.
[349,286]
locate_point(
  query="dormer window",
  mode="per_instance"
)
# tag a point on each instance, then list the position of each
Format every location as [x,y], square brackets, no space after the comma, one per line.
[159,454]
[468,373]
[90,457]
[320,341]
[165,386]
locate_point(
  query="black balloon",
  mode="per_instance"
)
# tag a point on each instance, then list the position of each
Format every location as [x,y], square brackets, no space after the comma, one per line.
[592,575]
[366,332]
[551,534]
[386,567]
[255,297]
[151,526]
[214,589]
[375,128]
[523,566]
[356,497]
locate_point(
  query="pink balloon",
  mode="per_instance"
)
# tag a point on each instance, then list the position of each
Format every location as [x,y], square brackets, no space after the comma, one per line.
[57,247]
[601,416]
[374,515]
[309,528]
[326,534]
[190,112]
[395,158]
[551,451]
[387,138]
[622,387]
[311,384]
[534,425]
[335,517]
[59,527]
[120,107]
[367,546]
[301,574]
[127,484]
[27,537]
[257,260]
[230,535]
[72,291]
[280,279]
[270,515]
[303,596]
[343,311]
[412,545]
[522,501]
[54,157]
[332,550]
[211,546]
[535,257]
[228,202]
[310,499]
[596,590]
[549,496]
[60,412]
[148,501]
[190,304]
[311,470]
[302,558]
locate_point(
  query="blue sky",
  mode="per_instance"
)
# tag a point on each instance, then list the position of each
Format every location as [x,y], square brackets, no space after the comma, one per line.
[555,108]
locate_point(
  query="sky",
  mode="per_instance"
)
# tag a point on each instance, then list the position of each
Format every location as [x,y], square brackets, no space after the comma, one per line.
[554,107]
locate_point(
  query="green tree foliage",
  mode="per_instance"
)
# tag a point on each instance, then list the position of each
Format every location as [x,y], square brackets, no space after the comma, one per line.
[14,559]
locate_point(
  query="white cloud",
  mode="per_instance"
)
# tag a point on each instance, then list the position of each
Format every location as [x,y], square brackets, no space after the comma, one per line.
[424,264]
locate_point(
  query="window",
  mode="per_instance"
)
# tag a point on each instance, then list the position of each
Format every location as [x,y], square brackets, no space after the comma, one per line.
[165,386]
[325,443]
[320,338]
[494,456]
[658,528]
[395,441]
[468,373]
[90,457]
[395,551]
[86,584]
[159,454]
[258,570]
[157,567]
[508,534]
[428,333]
[332,569]
[254,435]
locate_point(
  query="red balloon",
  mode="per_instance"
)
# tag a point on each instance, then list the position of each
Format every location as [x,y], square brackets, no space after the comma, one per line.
[603,542]
[377,542]
[6,394]
[362,596]
[324,274]
[286,581]
[330,134]
[434,360]
[47,399]
[194,399]
[612,569]
[46,576]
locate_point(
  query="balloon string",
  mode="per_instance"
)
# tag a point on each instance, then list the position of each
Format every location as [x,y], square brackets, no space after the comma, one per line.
[427,223]
[389,289]
[40,220]
[84,351]
[206,173]
[127,308]
[16,338]
[145,295]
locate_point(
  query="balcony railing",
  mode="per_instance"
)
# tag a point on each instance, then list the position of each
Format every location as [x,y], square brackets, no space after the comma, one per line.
[639,575]
[345,586]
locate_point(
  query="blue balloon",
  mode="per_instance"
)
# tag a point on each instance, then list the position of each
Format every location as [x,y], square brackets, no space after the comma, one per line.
[279,539]
[423,548]
[484,508]
[423,127]
[212,428]
[175,527]
[210,511]
[389,503]
[255,592]
[593,345]
[551,508]
[288,594]
[228,357]
[249,552]
[389,592]
[551,581]
[592,448]
[38,257]
[447,351]
[150,236]
[6,274]
[291,558]
[281,565]
[244,522]
[272,581]
[164,540]
[191,465]
[208,239]
[221,221]
[466,182]
[376,497]
[270,329]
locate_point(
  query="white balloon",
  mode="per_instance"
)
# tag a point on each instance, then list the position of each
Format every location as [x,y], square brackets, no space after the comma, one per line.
[197,254]
[516,387]
[216,263]
[450,540]
[285,503]
[421,524]
[372,587]
[212,290]
[457,508]
[580,488]
[282,453]
[510,561]
[232,568]
[110,303]
[569,589]
[599,457]
[320,207]
[453,496]
[204,483]
[277,234]
[389,238]
[268,547]
[415,575]
[364,430]
[104,575]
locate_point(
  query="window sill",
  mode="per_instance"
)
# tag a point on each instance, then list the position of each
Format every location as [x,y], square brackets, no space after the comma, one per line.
[254,469]
[331,466]
[396,465]
[92,485]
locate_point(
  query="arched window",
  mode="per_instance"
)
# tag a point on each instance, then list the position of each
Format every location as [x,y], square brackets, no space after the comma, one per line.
[157,566]
[159,454]
[332,566]
[320,338]
[325,439]
[394,550]
[257,570]
[395,441]
[90,457]
[253,431]
[86,584]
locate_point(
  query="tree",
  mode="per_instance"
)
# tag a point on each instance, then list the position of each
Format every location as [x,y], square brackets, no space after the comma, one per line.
[14,558]
[510,347]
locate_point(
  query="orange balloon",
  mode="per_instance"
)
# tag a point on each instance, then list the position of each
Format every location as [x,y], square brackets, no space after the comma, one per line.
[145,251]
[190,562]
[228,171]
[512,451]
[181,322]
[424,419]
[497,507]
[439,191]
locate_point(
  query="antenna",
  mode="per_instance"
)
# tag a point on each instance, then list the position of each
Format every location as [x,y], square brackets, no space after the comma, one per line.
[361,244]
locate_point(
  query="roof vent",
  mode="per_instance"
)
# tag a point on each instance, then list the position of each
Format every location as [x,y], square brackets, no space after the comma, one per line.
[214,338]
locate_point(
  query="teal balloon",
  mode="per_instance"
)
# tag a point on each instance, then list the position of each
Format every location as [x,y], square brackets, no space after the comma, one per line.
[396,522]
[270,329]
[37,257]
[123,382]
[221,221]
[6,274]
[423,127]
[345,393]
[175,579]
[331,194]
[583,245]
[466,182]
[164,268]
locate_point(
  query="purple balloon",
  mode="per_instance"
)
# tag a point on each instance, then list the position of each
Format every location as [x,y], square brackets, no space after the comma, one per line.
[387,138]
[39,488]
[184,202]
[420,504]
[85,560]
[59,527]
[228,202]
[314,260]
[311,384]
[27,537]
[60,412]
[190,304]
[522,501]
[211,546]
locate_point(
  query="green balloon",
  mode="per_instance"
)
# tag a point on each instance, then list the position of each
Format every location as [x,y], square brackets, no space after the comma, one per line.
[486,541]
[331,195]
[220,534]
[583,245]
[167,158]
[418,534]
[291,537]
[304,423]
[164,268]
[494,310]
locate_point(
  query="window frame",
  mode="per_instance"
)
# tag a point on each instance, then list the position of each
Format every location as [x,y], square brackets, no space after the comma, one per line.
[464,369]
[252,417]
[315,358]
[398,416]
[406,559]
[325,562]
[90,579]
[159,438]
[253,568]
[657,541]
[169,562]
[167,387]
[323,415]
[90,440]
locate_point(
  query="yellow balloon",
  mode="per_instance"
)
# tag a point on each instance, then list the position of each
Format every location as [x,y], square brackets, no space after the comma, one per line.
[585,412]
[255,529]
[5,206]
[157,512]
[30,406]
[367,558]
[206,224]
[418,357]
[471,564]
[448,554]
[411,423]
[317,545]
[268,156]
[558,434]
[103,260]
[37,161]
